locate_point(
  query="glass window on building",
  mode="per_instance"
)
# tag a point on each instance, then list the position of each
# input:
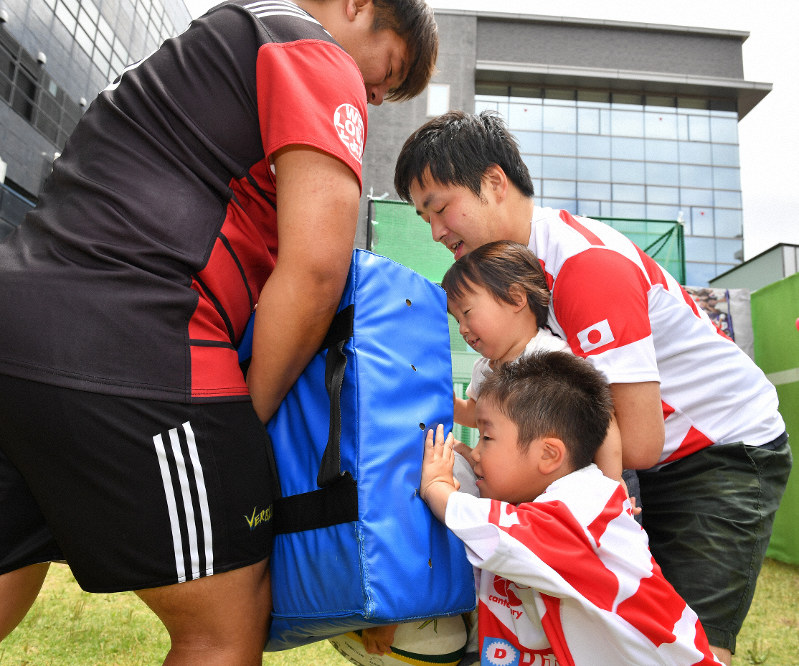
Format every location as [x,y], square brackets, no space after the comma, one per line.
[700,274]
[701,222]
[560,189]
[627,123]
[593,146]
[8,68]
[626,171]
[627,149]
[690,196]
[660,125]
[729,223]
[658,150]
[598,191]
[725,154]
[633,156]
[629,193]
[559,144]
[729,250]
[695,152]
[724,128]
[559,119]
[525,116]
[559,167]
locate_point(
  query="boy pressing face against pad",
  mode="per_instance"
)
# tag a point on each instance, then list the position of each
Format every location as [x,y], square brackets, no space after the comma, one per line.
[563,569]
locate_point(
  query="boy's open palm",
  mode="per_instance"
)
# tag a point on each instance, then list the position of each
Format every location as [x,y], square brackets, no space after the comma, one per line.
[438,481]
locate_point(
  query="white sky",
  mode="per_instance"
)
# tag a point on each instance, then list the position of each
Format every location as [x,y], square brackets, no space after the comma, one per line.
[769,135]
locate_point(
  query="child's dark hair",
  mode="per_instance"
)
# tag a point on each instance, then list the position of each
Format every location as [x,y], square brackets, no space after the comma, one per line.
[497,266]
[553,394]
[458,148]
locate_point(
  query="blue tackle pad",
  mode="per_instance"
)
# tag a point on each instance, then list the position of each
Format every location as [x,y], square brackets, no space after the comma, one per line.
[356,546]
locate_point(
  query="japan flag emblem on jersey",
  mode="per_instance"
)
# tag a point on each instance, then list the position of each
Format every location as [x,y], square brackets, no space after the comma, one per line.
[595,336]
[349,127]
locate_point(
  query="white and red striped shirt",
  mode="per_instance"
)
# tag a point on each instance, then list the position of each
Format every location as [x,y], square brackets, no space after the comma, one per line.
[619,309]
[569,579]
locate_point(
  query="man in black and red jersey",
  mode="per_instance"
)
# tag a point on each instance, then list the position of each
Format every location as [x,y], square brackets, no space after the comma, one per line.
[222,171]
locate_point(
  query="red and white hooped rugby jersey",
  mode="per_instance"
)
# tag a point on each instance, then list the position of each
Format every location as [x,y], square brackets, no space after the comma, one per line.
[619,309]
[570,577]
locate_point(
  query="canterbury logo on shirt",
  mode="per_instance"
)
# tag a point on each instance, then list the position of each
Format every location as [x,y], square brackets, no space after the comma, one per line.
[595,336]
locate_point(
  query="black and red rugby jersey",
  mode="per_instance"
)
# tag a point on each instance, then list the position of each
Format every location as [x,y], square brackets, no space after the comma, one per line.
[138,270]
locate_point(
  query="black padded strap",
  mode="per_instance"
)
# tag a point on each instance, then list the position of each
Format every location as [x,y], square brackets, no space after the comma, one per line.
[336,501]
[332,505]
[335,365]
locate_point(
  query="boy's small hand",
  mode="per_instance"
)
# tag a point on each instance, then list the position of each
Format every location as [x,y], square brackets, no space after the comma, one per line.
[438,462]
[465,450]
[378,640]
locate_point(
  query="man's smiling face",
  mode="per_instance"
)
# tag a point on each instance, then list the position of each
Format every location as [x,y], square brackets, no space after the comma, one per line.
[458,218]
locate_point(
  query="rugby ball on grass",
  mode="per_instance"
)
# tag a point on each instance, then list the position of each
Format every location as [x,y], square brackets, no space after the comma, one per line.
[440,641]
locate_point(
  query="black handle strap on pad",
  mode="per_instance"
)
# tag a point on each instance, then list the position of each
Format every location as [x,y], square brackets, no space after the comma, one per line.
[336,500]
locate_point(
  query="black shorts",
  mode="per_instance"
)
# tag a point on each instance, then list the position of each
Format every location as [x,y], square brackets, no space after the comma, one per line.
[709,518]
[131,493]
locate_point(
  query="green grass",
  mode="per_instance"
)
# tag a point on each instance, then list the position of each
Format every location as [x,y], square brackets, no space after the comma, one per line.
[68,627]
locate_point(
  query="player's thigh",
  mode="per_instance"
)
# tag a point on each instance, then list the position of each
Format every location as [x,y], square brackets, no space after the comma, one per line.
[225,609]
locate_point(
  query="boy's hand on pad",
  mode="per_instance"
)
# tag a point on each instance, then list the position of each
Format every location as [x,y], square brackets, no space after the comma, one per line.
[378,640]
[438,462]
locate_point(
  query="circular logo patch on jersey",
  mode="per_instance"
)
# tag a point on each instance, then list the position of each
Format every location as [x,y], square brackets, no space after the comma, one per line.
[349,127]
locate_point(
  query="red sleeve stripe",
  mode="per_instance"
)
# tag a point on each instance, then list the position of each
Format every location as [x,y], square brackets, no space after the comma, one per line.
[694,441]
[610,511]
[653,608]
[590,236]
[553,626]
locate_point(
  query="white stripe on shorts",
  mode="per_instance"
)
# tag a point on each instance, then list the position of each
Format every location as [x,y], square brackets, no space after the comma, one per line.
[188,507]
[205,512]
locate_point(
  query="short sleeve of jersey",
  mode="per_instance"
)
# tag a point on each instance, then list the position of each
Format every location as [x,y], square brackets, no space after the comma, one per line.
[600,300]
[310,92]
[480,369]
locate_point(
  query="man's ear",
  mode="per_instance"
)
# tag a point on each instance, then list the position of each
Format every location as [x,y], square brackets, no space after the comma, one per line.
[355,7]
[553,455]
[495,182]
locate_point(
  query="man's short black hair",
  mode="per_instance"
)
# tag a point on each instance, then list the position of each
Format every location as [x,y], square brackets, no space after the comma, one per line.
[413,20]
[458,148]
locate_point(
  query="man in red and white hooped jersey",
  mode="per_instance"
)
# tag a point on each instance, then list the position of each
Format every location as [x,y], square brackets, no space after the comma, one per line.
[222,171]
[695,413]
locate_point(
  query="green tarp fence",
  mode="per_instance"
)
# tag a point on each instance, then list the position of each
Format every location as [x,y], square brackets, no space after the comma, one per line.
[775,312]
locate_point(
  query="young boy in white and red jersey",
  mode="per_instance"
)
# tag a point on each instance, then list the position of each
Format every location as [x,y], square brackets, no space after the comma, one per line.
[698,419]
[564,571]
